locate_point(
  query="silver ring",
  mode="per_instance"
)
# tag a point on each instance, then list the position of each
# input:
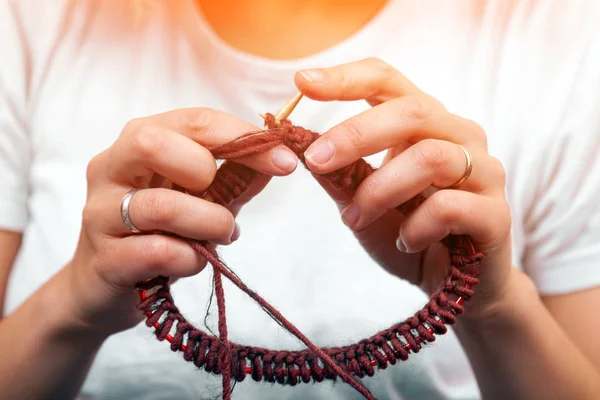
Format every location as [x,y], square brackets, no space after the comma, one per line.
[125,211]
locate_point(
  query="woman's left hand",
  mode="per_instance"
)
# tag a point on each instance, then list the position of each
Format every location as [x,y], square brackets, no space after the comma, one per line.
[422,141]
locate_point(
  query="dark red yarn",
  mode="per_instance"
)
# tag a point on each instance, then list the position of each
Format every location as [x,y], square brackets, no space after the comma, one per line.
[231,360]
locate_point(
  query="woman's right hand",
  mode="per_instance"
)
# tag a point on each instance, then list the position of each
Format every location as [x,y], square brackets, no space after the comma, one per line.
[156,155]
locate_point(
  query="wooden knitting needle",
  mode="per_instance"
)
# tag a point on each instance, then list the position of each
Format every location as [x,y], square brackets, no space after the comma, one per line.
[286,110]
[282,114]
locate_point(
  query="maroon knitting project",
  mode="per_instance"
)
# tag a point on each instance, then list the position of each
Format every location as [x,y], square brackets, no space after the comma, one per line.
[234,361]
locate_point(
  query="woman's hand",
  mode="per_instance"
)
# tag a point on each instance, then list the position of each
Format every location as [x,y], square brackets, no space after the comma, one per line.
[421,138]
[156,155]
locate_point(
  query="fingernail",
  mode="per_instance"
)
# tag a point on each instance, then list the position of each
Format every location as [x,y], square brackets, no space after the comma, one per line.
[400,245]
[320,152]
[285,160]
[351,214]
[313,75]
[236,233]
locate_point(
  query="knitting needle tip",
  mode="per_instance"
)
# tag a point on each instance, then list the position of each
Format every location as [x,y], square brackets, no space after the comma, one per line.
[287,109]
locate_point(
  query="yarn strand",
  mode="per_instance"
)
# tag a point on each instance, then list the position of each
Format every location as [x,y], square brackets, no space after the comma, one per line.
[209,253]
[225,354]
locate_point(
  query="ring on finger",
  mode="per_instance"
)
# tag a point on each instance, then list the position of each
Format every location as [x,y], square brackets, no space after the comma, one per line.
[468,168]
[125,202]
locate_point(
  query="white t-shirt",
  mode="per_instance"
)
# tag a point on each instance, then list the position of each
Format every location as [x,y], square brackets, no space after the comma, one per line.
[71,77]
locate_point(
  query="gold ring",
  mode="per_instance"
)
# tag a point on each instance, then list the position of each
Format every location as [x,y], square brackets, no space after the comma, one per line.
[468,168]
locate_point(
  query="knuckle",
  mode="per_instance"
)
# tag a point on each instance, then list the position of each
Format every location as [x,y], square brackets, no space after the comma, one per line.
[156,208]
[479,133]
[445,207]
[432,154]
[481,136]
[147,142]
[90,214]
[354,132]
[374,61]
[383,67]
[498,170]
[197,120]
[156,250]
[344,80]
[384,71]
[94,168]
[133,126]
[416,109]
[434,103]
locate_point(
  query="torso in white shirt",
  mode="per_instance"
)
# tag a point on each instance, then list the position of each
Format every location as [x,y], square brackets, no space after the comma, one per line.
[525,70]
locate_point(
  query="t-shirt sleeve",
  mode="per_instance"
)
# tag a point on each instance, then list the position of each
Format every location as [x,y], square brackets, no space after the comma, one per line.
[563,225]
[15,152]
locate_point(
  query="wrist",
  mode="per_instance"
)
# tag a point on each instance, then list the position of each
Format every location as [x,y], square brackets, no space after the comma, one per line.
[509,309]
[61,312]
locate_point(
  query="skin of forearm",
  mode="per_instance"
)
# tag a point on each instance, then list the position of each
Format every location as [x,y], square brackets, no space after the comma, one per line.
[518,351]
[46,353]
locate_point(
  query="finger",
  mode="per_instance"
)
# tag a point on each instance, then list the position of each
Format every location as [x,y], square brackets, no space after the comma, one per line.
[171,211]
[131,259]
[370,79]
[429,163]
[212,128]
[485,219]
[404,119]
[278,161]
[146,150]
[150,149]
